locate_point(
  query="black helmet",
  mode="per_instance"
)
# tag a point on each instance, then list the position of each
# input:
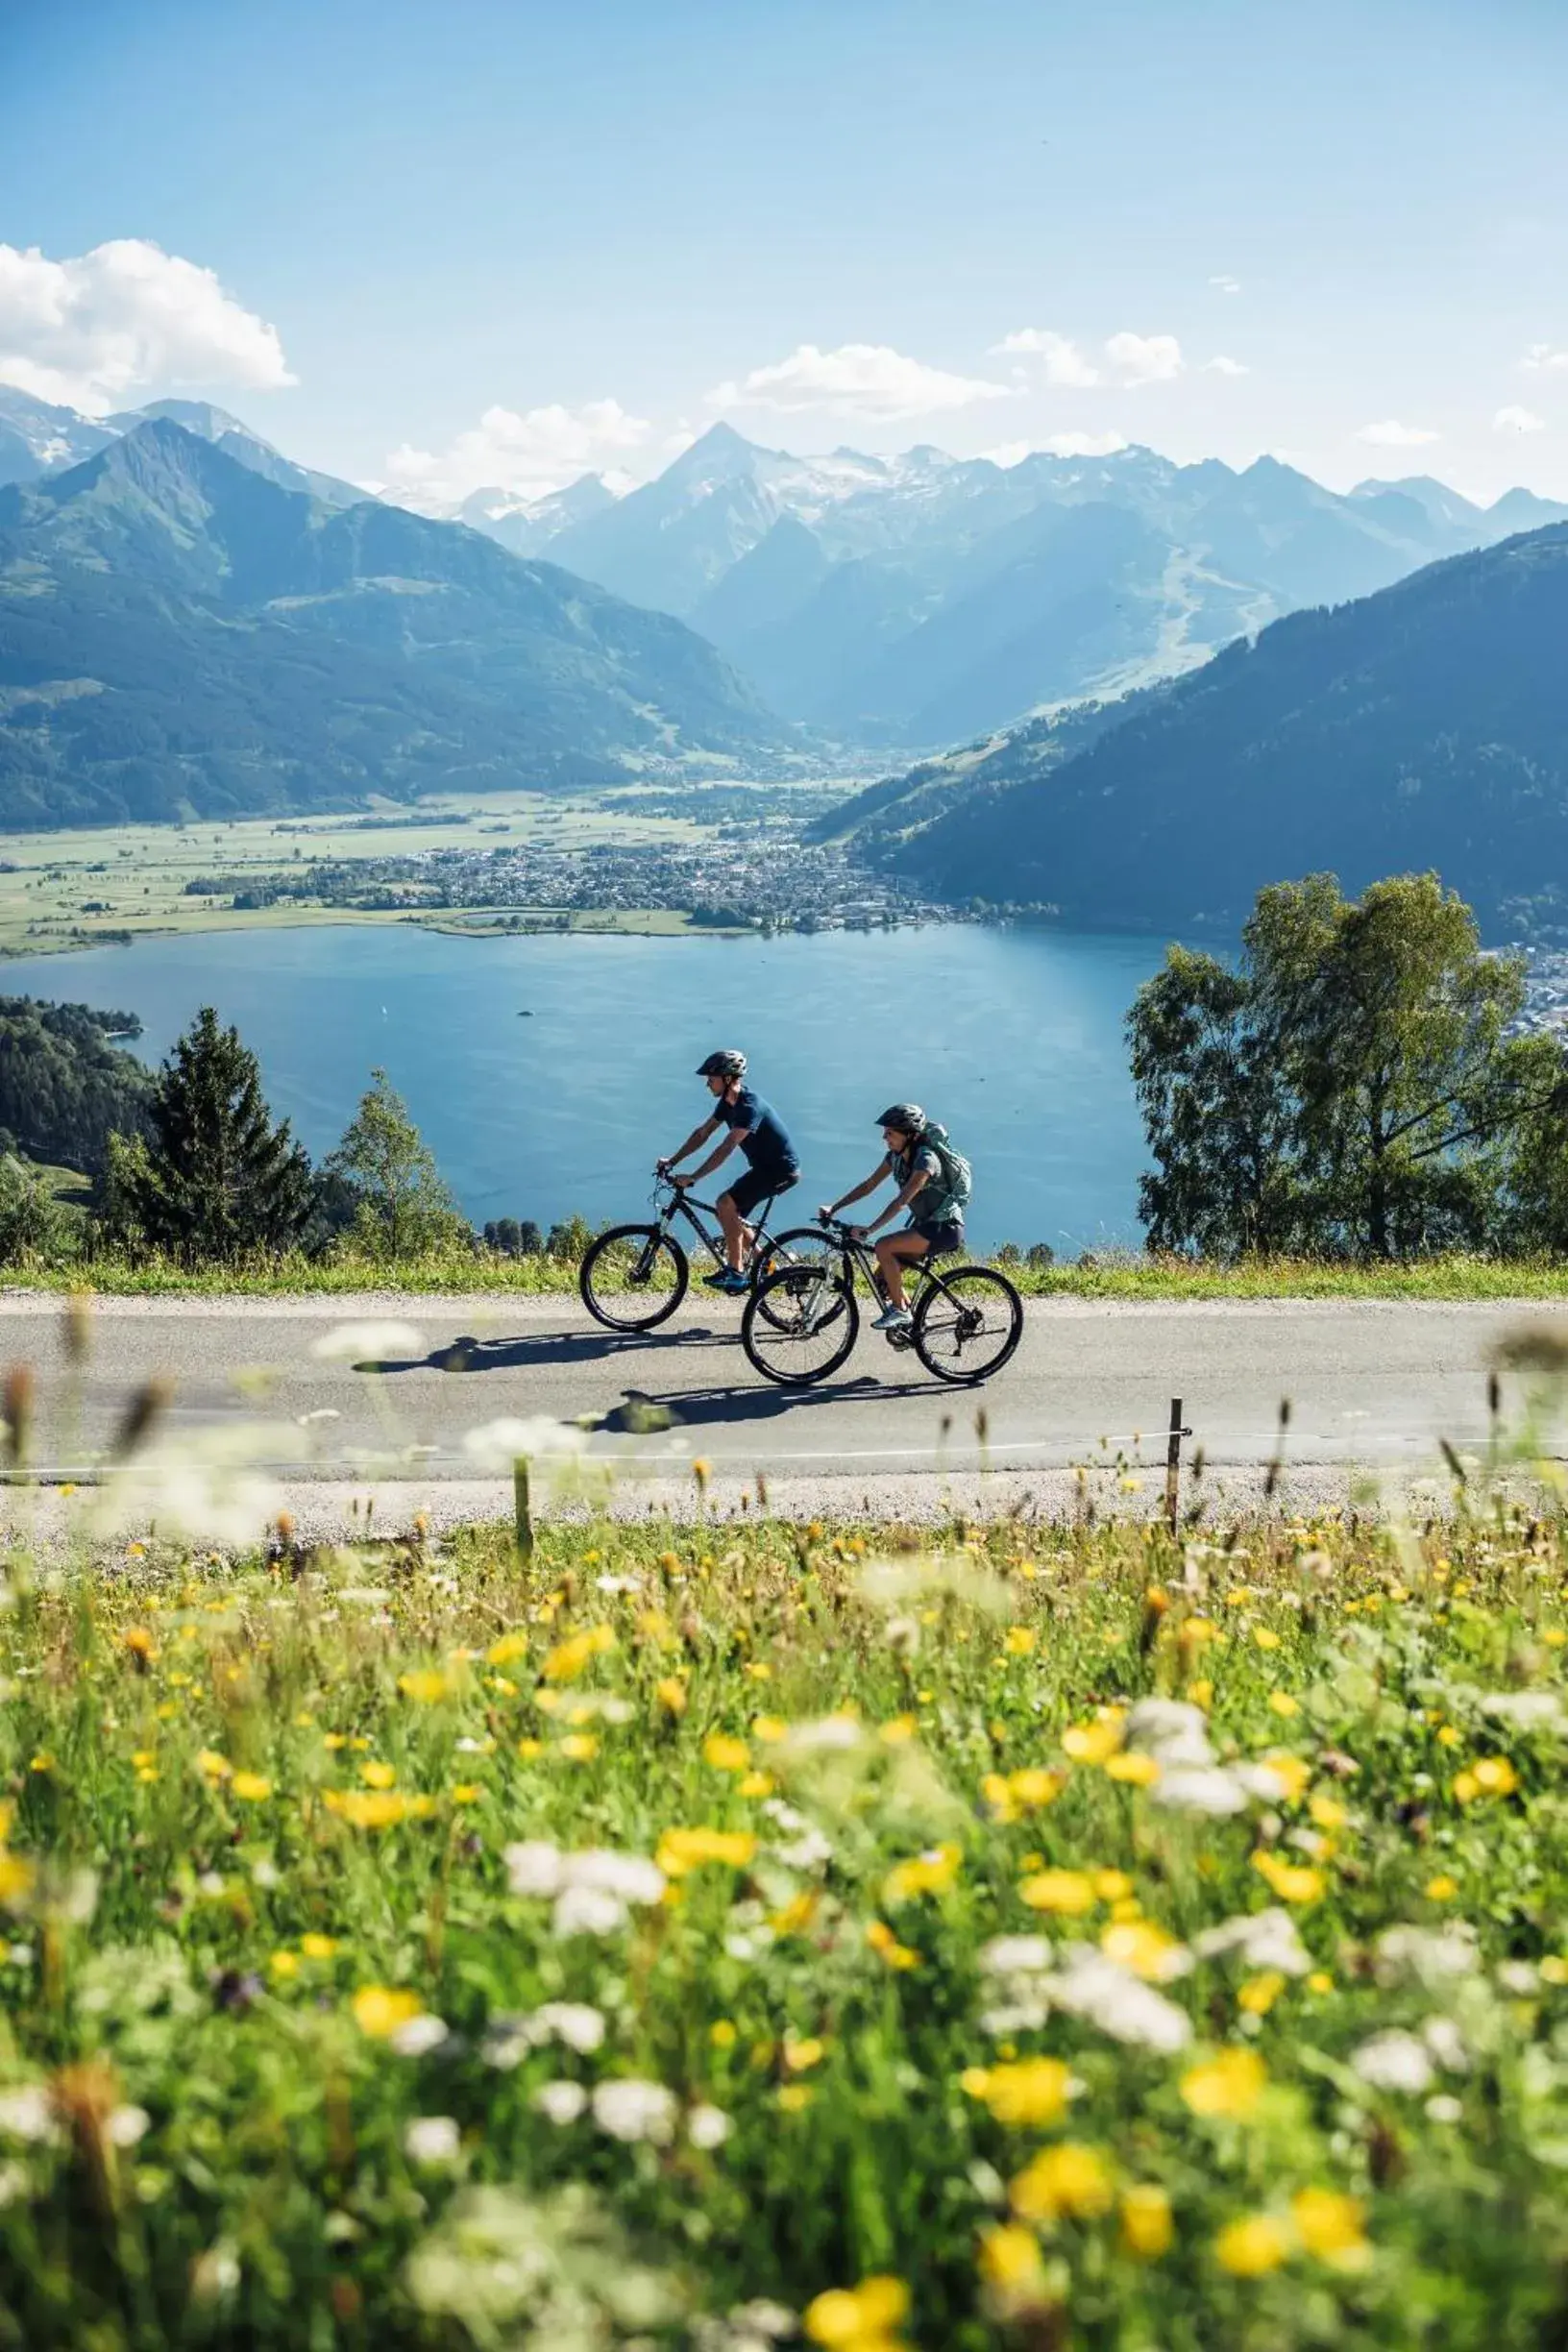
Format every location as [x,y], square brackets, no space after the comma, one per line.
[726,1062]
[908,1117]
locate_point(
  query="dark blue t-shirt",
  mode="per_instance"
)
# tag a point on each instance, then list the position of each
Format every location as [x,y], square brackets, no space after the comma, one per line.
[767,1146]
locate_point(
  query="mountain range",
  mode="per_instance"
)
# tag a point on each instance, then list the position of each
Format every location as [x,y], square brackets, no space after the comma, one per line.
[187,626]
[912,601]
[1423,727]
[921,598]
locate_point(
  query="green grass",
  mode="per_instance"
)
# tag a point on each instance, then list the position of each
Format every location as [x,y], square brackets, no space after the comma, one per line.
[1110,1276]
[282,2060]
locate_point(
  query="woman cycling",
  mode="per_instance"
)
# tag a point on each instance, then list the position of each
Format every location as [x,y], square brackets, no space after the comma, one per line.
[924,1177]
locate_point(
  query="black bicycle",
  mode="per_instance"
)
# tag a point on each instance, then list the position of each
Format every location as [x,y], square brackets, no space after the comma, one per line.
[634,1277]
[801,1322]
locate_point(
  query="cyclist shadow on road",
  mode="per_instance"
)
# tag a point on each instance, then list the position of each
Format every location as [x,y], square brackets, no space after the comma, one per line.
[470,1354]
[695,1407]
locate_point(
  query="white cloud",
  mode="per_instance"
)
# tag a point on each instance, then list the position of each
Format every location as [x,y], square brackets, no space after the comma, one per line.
[1084,444]
[1542,356]
[1140,359]
[530,451]
[1514,419]
[126,317]
[1009,454]
[1221,365]
[1226,285]
[866,380]
[1065,363]
[1390,434]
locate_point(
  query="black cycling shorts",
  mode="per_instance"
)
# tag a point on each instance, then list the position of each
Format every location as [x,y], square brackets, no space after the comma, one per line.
[757,1185]
[942,1240]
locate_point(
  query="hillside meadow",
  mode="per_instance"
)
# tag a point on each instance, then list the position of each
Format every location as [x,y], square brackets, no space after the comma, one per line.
[733,1935]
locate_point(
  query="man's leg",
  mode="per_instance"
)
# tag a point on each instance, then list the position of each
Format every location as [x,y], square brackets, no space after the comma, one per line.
[736,1231]
[893,1252]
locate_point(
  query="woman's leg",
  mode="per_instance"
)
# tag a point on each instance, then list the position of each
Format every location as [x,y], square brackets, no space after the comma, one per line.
[893,1252]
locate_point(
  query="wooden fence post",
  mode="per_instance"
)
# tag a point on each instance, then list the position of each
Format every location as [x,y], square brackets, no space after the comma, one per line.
[1173,1465]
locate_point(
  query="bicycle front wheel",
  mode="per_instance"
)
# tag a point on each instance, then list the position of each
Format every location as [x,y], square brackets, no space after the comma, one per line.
[967,1324]
[803,1246]
[634,1277]
[800,1325]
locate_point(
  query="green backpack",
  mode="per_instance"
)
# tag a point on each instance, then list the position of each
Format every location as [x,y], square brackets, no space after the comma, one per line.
[950,1196]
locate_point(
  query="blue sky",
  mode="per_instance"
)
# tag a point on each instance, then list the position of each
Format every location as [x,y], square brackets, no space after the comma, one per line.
[510,240]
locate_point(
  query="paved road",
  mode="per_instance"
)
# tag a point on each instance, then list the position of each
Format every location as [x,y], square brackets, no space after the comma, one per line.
[1368,1384]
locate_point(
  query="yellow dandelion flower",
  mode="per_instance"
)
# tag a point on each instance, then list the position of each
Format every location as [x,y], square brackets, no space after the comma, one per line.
[931,1873]
[898,1732]
[1009,2260]
[380,2012]
[16,1876]
[1257,1996]
[378,1775]
[425,1685]
[799,2057]
[1264,1637]
[1090,1743]
[579,1747]
[1294,1882]
[1333,2227]
[755,1784]
[285,1965]
[1019,1641]
[725,1753]
[1145,1948]
[1133,1768]
[1441,1889]
[1068,1892]
[1069,2179]
[570,1657]
[680,1850]
[1035,1788]
[863,2319]
[211,1765]
[671,1693]
[509,1646]
[252,1788]
[1229,2085]
[139,1643]
[722,2034]
[1495,1775]
[333,1740]
[1320,1981]
[769,1729]
[1146,2230]
[1252,2246]
[467,1793]
[793,2097]
[1024,2092]
[530,1749]
[316,1946]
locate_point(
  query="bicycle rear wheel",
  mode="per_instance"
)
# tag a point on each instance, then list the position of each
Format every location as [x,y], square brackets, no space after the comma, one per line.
[803,1245]
[800,1325]
[967,1324]
[623,1276]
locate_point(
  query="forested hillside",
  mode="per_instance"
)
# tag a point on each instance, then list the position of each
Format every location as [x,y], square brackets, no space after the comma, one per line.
[1424,727]
[179,633]
[64,1085]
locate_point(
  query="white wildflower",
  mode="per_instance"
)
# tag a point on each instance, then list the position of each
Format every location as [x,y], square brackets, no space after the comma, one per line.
[1443,2038]
[128,2124]
[811,1851]
[1444,2108]
[535,1867]
[1519,1976]
[13,2183]
[1016,1955]
[575,2022]
[1197,1788]
[27,2113]
[562,2103]
[433,2140]
[587,1910]
[618,1584]
[507,2044]
[829,1732]
[498,1444]
[1394,2061]
[628,2109]
[422,2034]
[1262,1939]
[708,2128]
[369,1342]
[1095,1989]
[1170,1731]
[1013,2018]
[1433,1957]
[1528,1710]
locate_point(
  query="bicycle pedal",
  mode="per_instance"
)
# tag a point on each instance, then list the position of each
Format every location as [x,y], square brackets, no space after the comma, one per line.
[897,1338]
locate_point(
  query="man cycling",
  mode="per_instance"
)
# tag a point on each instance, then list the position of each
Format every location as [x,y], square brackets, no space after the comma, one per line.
[772,1162]
[935,1227]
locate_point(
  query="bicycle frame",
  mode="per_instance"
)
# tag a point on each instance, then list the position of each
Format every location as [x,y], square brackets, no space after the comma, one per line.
[677,1202]
[860,1256]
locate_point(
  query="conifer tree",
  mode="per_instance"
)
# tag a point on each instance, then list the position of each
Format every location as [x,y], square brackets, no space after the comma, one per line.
[215,1178]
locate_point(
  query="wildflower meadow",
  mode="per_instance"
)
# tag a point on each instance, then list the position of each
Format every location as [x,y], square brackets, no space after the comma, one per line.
[740,1935]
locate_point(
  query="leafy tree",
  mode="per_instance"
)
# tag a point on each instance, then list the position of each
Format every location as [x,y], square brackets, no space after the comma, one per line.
[32,1224]
[403,1206]
[1351,1087]
[64,1087]
[214,1178]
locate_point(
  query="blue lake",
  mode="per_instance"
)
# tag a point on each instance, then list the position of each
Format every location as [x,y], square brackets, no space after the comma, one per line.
[1012,1036]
